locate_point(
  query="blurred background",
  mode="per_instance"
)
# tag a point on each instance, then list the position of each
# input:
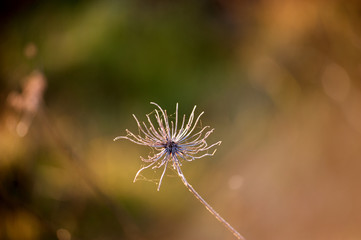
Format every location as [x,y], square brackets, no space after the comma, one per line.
[278,80]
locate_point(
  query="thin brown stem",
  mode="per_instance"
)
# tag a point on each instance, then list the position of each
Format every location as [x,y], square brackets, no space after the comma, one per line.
[127,225]
[207,206]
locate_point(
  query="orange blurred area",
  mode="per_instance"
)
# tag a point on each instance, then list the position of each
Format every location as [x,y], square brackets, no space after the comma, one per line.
[278,80]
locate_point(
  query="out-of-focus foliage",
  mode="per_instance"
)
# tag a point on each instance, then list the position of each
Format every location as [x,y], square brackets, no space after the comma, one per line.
[279,80]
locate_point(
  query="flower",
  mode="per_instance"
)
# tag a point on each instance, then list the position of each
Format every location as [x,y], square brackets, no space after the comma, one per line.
[171,144]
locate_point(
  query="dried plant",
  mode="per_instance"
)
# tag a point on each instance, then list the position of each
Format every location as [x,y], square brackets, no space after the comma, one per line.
[27,103]
[172,145]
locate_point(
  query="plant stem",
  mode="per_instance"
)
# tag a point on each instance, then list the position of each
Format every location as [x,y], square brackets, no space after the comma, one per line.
[127,225]
[209,208]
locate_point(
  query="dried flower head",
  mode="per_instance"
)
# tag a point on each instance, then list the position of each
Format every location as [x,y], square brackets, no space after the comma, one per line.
[27,103]
[171,143]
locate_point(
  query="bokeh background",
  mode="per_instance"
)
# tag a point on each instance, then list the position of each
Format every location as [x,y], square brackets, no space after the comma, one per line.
[279,81]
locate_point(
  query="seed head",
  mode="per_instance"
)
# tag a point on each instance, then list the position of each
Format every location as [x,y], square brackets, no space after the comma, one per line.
[171,143]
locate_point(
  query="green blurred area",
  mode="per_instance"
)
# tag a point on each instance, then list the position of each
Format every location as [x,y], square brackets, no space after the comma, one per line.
[278,80]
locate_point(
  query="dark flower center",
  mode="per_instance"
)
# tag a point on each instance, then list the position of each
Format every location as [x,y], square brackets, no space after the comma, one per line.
[171,147]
